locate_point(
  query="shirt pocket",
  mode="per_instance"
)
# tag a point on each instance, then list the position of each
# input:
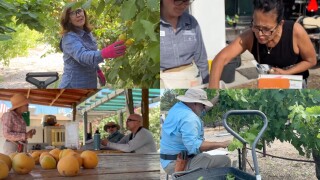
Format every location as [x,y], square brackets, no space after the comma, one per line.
[188,44]
[189,38]
[165,42]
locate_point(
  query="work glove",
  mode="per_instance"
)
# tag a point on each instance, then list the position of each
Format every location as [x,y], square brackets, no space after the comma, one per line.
[114,50]
[102,78]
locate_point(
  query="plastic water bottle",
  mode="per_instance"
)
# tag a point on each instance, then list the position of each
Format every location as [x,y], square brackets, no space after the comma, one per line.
[96,141]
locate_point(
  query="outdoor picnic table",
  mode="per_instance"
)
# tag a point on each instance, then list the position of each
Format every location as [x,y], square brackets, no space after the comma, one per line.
[111,166]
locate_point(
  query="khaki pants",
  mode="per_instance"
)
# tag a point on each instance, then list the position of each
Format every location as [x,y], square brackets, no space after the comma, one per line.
[181,77]
[202,160]
[11,147]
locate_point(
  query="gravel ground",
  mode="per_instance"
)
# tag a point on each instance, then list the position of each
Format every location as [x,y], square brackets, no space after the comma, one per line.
[270,168]
[13,76]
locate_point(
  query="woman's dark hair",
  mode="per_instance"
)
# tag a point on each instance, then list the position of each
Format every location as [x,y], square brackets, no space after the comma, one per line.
[66,23]
[270,5]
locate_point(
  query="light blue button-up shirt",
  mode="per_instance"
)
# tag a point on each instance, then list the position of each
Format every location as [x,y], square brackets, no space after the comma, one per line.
[183,46]
[81,60]
[182,130]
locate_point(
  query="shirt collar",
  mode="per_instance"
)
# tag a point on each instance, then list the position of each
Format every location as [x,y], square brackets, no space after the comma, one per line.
[80,32]
[14,113]
[184,21]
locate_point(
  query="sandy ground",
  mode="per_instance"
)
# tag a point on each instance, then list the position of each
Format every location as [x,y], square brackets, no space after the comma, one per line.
[14,75]
[270,168]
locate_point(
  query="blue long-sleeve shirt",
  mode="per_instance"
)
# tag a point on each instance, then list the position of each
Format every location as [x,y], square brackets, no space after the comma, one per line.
[81,59]
[183,46]
[182,130]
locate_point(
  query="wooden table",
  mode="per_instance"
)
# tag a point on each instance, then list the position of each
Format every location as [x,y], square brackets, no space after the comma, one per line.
[111,166]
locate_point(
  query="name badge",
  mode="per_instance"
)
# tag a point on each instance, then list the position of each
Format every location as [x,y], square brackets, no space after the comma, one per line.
[188,32]
[162,33]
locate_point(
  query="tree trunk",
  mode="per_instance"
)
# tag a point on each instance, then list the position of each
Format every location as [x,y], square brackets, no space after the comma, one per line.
[129,101]
[145,108]
[121,122]
[316,157]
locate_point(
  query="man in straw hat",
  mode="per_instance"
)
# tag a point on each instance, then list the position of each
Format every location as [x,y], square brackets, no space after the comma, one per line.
[182,137]
[140,140]
[14,127]
[113,130]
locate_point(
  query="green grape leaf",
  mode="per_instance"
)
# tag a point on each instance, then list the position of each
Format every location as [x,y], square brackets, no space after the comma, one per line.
[149,29]
[129,10]
[153,5]
[100,7]
[87,4]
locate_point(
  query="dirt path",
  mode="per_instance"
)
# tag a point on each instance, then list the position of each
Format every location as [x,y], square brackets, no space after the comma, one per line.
[14,76]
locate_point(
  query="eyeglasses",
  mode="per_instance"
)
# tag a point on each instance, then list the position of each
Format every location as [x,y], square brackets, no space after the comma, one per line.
[266,32]
[76,12]
[180,2]
[130,120]
[112,126]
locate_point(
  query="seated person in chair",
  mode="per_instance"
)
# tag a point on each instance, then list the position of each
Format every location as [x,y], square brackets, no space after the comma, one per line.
[113,130]
[182,131]
[140,140]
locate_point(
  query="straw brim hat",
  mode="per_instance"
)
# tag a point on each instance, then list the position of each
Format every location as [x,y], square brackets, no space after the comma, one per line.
[195,96]
[17,101]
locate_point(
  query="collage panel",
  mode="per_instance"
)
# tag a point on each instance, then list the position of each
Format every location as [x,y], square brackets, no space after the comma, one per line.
[240,134]
[263,56]
[58,133]
[236,95]
[262,44]
[69,44]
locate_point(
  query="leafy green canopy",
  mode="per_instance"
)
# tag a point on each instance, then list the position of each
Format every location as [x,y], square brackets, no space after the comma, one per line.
[288,112]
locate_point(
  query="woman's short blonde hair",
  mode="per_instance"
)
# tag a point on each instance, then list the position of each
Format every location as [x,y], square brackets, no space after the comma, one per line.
[67,26]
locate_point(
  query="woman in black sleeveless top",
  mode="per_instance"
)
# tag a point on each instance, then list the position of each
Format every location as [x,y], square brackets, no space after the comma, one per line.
[284,45]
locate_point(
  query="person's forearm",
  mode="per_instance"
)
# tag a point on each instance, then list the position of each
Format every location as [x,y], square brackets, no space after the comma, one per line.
[301,67]
[120,147]
[215,73]
[207,146]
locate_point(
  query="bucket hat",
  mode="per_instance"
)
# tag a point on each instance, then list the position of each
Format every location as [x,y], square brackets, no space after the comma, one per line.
[195,96]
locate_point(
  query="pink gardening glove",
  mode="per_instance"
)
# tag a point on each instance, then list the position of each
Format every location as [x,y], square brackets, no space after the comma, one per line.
[114,50]
[102,78]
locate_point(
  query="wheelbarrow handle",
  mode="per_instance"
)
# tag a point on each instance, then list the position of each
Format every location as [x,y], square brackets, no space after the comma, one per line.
[236,135]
